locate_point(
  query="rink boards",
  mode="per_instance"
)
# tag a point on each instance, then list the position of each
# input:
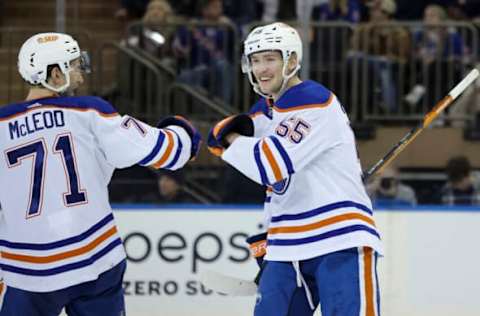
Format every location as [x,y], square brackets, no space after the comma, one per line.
[430,265]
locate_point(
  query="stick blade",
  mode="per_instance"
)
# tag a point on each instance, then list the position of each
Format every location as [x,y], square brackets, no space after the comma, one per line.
[228,285]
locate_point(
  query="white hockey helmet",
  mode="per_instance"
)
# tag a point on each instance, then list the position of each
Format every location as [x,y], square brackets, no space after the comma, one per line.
[45,49]
[277,36]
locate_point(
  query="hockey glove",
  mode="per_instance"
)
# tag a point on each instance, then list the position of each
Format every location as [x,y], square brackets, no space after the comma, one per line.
[241,124]
[258,247]
[195,136]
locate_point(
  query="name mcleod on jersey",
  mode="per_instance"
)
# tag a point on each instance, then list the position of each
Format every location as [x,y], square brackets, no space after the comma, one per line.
[34,122]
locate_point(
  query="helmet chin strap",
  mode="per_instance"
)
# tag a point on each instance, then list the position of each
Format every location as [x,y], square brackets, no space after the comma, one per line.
[60,89]
[286,78]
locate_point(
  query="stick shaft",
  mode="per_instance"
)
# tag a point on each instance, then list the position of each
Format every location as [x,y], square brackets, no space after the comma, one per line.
[427,120]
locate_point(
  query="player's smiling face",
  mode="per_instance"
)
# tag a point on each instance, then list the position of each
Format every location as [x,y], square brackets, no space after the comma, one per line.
[267,67]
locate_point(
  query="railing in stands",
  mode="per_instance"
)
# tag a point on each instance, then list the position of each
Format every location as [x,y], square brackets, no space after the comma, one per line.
[139,82]
[405,68]
[203,55]
[380,72]
[200,105]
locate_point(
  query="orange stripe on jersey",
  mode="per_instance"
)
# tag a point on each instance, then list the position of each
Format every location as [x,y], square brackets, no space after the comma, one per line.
[306,106]
[367,271]
[63,255]
[320,224]
[254,115]
[167,152]
[221,125]
[107,115]
[2,286]
[273,163]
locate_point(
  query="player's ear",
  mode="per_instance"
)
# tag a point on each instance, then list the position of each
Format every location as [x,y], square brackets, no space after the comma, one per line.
[56,76]
[292,62]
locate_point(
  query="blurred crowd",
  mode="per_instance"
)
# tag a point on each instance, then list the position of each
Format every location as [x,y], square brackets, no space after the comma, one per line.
[196,39]
[461,187]
[244,12]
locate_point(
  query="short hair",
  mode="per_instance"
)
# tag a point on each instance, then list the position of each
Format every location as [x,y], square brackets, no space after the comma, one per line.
[442,13]
[458,168]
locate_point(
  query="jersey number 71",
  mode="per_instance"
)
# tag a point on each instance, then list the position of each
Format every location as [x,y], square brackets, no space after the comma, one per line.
[37,150]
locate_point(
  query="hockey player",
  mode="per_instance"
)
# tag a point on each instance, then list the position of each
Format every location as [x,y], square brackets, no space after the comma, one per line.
[59,243]
[297,141]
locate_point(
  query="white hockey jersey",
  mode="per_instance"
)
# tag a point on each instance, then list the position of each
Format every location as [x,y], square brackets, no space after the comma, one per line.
[58,157]
[304,151]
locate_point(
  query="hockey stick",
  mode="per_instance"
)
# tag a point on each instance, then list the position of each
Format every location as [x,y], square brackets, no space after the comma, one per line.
[228,285]
[427,120]
[238,287]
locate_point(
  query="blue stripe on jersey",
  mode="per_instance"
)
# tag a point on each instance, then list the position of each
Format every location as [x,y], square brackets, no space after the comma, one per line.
[320,210]
[60,243]
[329,234]
[307,92]
[261,106]
[64,268]
[83,102]
[258,160]
[283,153]
[177,153]
[155,150]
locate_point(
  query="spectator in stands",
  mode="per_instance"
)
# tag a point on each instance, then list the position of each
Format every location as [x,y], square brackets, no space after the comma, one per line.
[204,51]
[461,187]
[379,36]
[155,34]
[339,10]
[435,40]
[383,46]
[158,12]
[387,190]
[439,49]
[171,188]
[242,13]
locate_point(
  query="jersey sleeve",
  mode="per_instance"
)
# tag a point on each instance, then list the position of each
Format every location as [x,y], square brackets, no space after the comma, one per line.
[126,141]
[259,115]
[272,158]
